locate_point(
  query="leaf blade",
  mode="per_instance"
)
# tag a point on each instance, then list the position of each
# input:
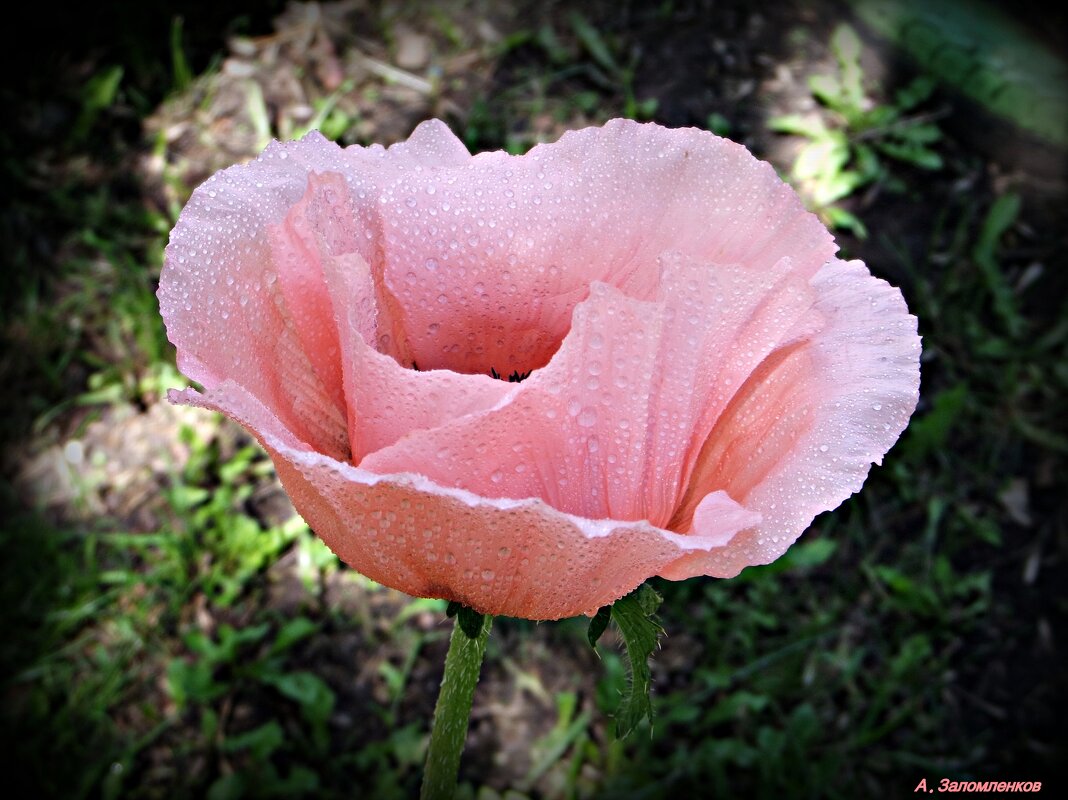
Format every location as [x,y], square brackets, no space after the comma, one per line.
[635,617]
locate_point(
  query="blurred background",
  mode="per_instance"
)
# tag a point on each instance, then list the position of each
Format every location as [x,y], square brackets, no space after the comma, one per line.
[169,627]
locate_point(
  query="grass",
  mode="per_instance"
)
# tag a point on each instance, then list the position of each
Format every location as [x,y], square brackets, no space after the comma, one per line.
[225,652]
[851,151]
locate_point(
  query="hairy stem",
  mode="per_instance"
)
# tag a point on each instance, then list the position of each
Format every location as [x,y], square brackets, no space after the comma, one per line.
[449,730]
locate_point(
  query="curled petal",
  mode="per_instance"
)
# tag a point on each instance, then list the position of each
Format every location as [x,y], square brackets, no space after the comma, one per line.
[387,401]
[342,315]
[802,433]
[519,558]
[226,313]
[488,260]
[613,425]
[246,293]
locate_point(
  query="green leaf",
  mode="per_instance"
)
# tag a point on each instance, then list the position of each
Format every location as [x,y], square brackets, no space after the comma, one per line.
[812,127]
[100,92]
[718,124]
[598,624]
[827,90]
[547,39]
[846,46]
[827,155]
[182,74]
[192,683]
[227,787]
[315,697]
[301,782]
[393,677]
[594,44]
[999,219]
[635,616]
[907,593]
[929,433]
[811,554]
[292,632]
[915,93]
[840,218]
[551,748]
[231,640]
[911,153]
[260,742]
[878,117]
[258,113]
[921,133]
[836,186]
[867,164]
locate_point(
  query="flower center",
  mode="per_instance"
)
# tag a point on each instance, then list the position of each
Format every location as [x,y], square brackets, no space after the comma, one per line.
[515,377]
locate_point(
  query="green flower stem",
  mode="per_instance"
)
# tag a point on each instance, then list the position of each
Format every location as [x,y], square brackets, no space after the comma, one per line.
[453,711]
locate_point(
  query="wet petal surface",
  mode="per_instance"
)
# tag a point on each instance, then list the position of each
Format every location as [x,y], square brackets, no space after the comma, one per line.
[705,377]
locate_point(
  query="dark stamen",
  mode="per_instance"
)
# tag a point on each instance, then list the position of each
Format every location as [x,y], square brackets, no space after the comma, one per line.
[515,377]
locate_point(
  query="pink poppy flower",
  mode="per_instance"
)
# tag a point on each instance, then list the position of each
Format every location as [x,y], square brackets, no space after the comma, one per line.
[704,376]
